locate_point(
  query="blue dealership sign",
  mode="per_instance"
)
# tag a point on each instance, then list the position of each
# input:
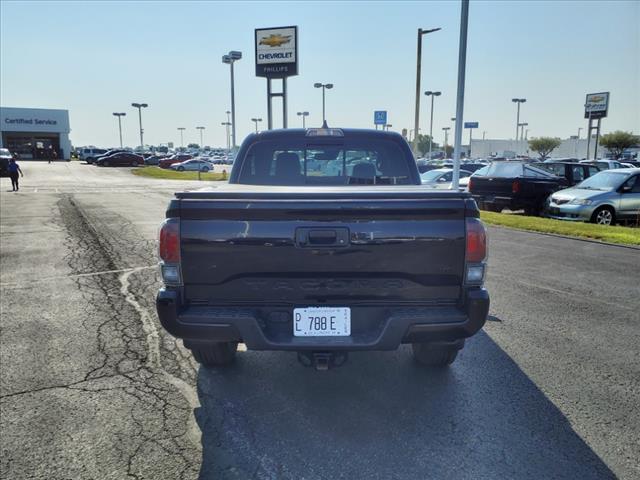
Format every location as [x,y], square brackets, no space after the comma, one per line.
[470,124]
[380,117]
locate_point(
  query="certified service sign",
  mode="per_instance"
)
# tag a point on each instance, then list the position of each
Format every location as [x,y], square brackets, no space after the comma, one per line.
[596,105]
[276,52]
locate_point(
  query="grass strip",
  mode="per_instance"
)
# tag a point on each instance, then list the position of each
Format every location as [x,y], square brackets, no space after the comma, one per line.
[616,234]
[157,172]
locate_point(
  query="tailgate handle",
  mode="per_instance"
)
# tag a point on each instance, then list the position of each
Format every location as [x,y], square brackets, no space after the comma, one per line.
[322,237]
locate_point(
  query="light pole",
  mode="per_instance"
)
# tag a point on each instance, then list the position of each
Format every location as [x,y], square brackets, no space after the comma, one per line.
[230,58]
[579,130]
[140,106]
[446,138]
[120,115]
[416,124]
[324,86]
[303,115]
[387,126]
[182,129]
[256,120]
[483,134]
[518,101]
[227,125]
[431,94]
[201,140]
[522,125]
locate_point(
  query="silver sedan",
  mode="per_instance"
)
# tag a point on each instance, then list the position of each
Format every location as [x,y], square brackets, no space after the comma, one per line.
[605,198]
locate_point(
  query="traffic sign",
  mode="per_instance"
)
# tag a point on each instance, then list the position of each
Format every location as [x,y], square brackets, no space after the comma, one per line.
[471,124]
[380,117]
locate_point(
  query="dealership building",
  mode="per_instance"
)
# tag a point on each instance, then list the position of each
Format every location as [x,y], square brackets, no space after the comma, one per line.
[34,133]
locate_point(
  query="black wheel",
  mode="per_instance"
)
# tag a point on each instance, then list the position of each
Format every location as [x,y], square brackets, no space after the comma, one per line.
[104,164]
[134,163]
[604,216]
[205,169]
[181,169]
[494,208]
[214,354]
[434,355]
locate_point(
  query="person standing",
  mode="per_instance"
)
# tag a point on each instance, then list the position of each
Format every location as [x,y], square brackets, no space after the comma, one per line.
[14,172]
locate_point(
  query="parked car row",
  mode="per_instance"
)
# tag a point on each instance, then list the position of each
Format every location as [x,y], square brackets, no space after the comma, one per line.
[577,191]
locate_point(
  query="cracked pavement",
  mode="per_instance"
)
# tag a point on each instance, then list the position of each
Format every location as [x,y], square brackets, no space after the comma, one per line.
[92,387]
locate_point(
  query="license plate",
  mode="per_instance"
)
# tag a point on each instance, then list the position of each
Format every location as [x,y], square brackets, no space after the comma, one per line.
[321,322]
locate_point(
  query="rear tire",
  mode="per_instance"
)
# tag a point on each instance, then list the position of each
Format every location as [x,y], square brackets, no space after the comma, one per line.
[134,164]
[215,354]
[604,216]
[434,355]
[180,169]
[205,169]
[105,164]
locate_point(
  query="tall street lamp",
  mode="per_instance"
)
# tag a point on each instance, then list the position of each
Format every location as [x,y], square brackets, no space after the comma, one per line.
[120,115]
[182,129]
[323,86]
[230,58]
[446,139]
[518,101]
[227,125]
[303,115]
[256,120]
[522,125]
[201,140]
[421,32]
[431,94]
[140,106]
[387,127]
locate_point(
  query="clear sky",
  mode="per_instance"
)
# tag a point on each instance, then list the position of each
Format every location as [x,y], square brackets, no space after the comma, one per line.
[95,58]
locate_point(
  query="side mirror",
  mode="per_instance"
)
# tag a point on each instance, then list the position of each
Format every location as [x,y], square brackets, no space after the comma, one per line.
[626,188]
[442,179]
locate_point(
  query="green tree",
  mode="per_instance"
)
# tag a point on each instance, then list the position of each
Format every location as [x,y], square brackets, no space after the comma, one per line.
[617,142]
[423,144]
[193,145]
[543,146]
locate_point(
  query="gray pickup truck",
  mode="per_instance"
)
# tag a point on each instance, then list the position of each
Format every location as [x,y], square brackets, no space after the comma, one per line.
[323,242]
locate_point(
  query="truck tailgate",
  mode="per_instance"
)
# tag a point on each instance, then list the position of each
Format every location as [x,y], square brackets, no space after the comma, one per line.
[303,247]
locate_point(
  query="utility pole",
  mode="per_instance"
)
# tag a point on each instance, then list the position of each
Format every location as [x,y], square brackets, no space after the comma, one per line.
[182,129]
[518,101]
[432,95]
[462,64]
[232,57]
[140,106]
[416,125]
[120,115]
[201,140]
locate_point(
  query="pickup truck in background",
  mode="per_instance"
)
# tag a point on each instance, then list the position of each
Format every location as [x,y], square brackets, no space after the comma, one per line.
[323,242]
[516,185]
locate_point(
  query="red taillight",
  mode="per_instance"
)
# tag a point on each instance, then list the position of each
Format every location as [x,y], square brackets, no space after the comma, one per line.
[470,184]
[515,186]
[170,241]
[476,240]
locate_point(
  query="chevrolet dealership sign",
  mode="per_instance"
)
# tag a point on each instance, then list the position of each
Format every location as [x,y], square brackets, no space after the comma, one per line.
[596,105]
[276,52]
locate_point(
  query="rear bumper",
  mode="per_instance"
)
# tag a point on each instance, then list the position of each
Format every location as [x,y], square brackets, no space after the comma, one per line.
[505,202]
[373,328]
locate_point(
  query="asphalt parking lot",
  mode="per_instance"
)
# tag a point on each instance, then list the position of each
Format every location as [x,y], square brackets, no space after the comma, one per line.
[92,387]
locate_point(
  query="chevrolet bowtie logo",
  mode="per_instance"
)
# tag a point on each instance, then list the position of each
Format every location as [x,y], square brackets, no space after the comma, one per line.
[275,40]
